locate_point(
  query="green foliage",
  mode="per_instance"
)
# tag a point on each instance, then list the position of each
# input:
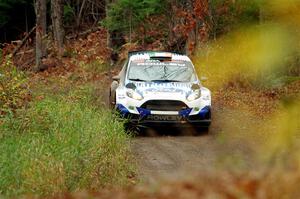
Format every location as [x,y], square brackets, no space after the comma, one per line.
[69,13]
[129,14]
[227,15]
[13,88]
[95,67]
[62,144]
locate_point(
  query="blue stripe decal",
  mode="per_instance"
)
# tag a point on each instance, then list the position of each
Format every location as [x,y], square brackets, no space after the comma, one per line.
[204,111]
[143,112]
[122,109]
[185,112]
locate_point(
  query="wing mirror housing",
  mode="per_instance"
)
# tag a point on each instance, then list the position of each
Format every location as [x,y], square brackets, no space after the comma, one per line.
[203,79]
[116,78]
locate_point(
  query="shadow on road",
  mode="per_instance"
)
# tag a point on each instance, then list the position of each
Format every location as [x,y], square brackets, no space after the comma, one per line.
[170,131]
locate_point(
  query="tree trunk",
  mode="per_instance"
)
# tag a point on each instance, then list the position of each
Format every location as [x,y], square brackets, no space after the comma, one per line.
[41,31]
[57,24]
[199,32]
[191,40]
[110,36]
[109,40]
[262,13]
[78,19]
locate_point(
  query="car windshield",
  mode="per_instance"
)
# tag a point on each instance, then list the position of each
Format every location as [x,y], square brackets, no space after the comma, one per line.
[164,71]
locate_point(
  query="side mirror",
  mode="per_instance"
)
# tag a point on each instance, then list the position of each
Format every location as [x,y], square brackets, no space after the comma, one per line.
[203,79]
[131,86]
[116,78]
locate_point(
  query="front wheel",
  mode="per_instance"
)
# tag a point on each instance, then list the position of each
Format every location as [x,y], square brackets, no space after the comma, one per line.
[112,100]
[202,130]
[112,94]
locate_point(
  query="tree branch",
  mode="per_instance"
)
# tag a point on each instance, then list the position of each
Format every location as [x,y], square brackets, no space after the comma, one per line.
[23,41]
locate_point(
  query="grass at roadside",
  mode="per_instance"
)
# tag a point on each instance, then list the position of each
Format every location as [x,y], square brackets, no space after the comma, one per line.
[62,143]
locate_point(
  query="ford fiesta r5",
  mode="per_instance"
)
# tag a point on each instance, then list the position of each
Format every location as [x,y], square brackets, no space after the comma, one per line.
[160,88]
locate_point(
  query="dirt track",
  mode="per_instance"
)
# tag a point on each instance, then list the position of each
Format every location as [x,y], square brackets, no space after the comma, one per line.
[172,157]
[160,157]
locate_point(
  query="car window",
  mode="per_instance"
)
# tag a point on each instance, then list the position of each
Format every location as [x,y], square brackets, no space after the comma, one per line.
[156,70]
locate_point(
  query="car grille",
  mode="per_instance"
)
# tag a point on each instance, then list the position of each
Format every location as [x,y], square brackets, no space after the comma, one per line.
[164,105]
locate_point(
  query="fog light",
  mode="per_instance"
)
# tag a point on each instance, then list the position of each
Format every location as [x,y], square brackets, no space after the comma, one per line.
[131,107]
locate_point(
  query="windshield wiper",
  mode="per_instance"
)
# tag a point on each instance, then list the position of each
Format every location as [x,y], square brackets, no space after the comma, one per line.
[137,80]
[165,80]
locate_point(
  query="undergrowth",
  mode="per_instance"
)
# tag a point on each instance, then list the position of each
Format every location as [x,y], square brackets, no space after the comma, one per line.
[14,92]
[96,66]
[62,144]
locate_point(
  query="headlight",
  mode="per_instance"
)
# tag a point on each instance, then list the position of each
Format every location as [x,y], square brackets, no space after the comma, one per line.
[194,95]
[134,95]
[206,97]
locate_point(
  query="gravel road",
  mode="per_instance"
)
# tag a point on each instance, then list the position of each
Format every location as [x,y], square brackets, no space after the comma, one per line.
[175,156]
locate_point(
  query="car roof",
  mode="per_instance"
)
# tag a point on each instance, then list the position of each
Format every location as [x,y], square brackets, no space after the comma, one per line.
[146,55]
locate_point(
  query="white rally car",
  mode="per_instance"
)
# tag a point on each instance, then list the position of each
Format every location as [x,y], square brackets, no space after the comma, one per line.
[159,88]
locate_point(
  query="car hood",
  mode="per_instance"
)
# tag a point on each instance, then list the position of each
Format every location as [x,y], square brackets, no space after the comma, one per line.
[163,89]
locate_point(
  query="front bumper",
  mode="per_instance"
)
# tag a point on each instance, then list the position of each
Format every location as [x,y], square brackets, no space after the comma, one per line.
[182,119]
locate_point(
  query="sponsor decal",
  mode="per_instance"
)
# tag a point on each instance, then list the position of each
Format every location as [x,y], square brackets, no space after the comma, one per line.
[164,85]
[162,64]
[165,117]
[163,88]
